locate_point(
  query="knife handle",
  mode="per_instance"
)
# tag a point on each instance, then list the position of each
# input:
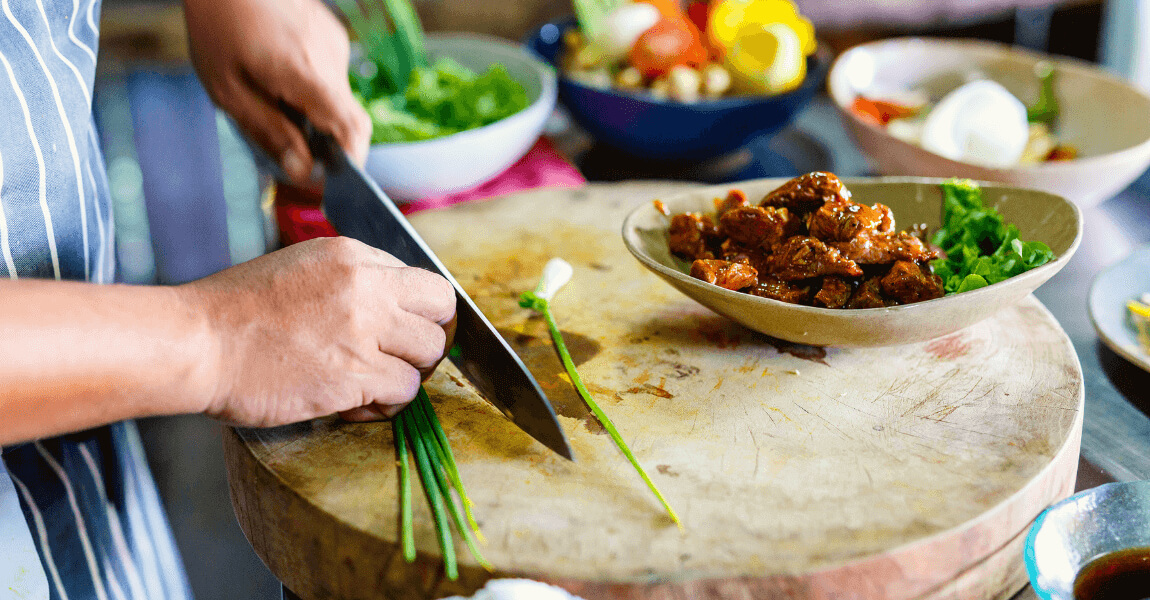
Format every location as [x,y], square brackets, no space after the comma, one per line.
[321,144]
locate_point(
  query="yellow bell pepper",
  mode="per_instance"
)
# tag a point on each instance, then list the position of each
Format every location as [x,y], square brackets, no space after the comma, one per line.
[731,19]
[767,61]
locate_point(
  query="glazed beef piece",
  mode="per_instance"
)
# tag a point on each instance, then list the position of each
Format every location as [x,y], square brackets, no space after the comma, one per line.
[806,258]
[691,234]
[807,193]
[908,282]
[834,293]
[757,226]
[756,257]
[734,199]
[784,291]
[881,249]
[840,220]
[868,295]
[808,243]
[725,274]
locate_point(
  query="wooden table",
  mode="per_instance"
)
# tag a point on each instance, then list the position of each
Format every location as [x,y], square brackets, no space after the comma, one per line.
[907,472]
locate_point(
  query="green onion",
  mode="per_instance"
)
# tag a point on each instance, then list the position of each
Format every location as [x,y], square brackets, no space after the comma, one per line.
[423,403]
[405,518]
[418,426]
[434,497]
[392,38]
[555,275]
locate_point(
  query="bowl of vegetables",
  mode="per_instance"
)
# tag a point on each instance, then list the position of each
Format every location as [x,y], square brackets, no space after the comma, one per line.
[855,263]
[449,111]
[662,83]
[943,108]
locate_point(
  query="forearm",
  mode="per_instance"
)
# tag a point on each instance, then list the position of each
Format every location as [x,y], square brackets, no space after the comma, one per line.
[77,355]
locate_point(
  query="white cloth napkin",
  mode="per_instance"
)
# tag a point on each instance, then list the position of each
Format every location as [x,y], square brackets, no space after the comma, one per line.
[518,589]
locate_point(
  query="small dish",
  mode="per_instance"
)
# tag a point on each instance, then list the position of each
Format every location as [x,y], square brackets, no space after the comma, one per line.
[647,127]
[1039,216]
[1102,115]
[1081,528]
[1125,280]
[409,171]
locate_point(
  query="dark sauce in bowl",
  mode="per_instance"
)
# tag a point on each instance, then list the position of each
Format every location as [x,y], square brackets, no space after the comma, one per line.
[1121,575]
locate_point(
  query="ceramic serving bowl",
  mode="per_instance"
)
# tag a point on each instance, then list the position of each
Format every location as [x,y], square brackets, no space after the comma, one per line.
[1039,216]
[409,171]
[1106,118]
[1081,528]
[649,128]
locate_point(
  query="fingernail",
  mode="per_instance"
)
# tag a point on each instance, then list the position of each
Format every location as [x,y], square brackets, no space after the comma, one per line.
[292,164]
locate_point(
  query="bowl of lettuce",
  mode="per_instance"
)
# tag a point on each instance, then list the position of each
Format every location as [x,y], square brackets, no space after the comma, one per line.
[470,111]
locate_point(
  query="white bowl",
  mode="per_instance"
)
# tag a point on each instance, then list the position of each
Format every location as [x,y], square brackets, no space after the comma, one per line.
[409,171]
[1106,118]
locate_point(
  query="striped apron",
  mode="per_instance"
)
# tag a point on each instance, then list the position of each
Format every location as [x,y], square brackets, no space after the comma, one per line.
[79,515]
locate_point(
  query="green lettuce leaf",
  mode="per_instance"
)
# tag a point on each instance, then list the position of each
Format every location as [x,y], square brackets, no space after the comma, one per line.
[981,248]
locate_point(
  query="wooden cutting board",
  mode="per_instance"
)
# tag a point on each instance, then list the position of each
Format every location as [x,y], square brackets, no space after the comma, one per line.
[904,472]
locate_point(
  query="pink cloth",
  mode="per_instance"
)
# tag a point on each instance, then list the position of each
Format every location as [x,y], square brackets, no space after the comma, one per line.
[542,166]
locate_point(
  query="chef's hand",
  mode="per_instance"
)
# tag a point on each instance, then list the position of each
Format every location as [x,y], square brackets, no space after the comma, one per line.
[251,55]
[325,326]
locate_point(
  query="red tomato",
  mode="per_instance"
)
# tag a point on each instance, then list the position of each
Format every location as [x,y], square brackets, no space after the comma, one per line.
[698,11]
[668,43]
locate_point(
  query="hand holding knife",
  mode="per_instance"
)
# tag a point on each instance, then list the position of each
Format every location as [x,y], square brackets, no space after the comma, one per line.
[358,209]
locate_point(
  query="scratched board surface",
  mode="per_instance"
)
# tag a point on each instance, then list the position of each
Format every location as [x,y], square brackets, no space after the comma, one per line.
[798,471]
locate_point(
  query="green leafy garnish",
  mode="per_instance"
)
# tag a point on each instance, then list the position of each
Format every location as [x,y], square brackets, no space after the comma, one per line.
[538,301]
[1046,108]
[981,249]
[418,427]
[409,99]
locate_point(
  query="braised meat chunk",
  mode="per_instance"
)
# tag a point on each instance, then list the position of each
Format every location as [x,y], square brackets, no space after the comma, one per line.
[757,226]
[908,282]
[784,291]
[729,275]
[868,295]
[881,249]
[806,257]
[806,193]
[840,220]
[808,243]
[690,235]
[734,199]
[834,293]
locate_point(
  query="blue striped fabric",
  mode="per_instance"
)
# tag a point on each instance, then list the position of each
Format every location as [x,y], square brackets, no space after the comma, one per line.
[95,527]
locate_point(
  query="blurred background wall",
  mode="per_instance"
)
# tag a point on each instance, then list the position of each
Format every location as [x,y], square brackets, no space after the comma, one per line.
[188,198]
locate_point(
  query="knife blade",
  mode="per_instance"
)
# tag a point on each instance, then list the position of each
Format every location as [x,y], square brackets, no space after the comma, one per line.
[358,209]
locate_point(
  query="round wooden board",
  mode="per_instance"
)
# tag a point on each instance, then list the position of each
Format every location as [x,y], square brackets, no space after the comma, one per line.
[903,472]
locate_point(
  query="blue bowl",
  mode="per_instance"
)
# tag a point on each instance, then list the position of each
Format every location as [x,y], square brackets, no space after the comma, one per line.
[650,128]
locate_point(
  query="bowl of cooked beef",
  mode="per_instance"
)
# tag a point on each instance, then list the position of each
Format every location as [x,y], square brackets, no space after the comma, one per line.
[862,262]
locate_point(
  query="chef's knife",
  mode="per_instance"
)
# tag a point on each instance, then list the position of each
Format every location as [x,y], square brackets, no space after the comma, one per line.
[358,209]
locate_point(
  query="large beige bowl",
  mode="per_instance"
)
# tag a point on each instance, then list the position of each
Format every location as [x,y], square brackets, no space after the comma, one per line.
[1106,118]
[1039,216]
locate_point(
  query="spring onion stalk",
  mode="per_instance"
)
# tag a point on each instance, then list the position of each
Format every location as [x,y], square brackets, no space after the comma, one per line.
[434,496]
[428,440]
[418,428]
[405,519]
[556,274]
[447,458]
[391,35]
